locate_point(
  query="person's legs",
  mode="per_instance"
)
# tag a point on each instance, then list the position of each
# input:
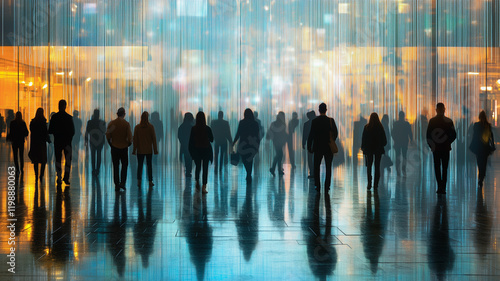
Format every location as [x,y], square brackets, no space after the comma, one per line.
[437,167]
[99,158]
[223,155]
[140,164]
[124,160]
[291,152]
[328,165]
[378,157]
[205,171]
[197,170]
[310,163]
[217,146]
[482,161]
[280,159]
[15,151]
[42,170]
[67,161]
[35,168]
[404,151]
[445,161]
[188,164]
[115,158]
[149,163]
[317,163]
[398,159]
[275,159]
[369,163]
[21,157]
[58,149]
[93,152]
[248,167]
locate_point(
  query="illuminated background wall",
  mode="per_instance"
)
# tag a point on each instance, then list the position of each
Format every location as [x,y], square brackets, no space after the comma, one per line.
[174,56]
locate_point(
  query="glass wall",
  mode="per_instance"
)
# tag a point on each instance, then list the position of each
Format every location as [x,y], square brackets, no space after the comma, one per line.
[174,56]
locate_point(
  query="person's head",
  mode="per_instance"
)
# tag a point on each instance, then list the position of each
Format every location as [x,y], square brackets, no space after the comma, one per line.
[144,119]
[39,113]
[155,116]
[19,116]
[440,108]
[248,114]
[311,115]
[280,117]
[76,113]
[121,112]
[482,117]
[295,115]
[200,119]
[374,120]
[96,114]
[188,117]
[221,114]
[385,119]
[322,108]
[256,114]
[62,105]
[401,115]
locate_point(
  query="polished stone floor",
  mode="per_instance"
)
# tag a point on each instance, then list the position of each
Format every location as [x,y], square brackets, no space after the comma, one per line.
[271,229]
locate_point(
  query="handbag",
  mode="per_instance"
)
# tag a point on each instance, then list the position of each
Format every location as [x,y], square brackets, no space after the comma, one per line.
[235,158]
[491,144]
[331,143]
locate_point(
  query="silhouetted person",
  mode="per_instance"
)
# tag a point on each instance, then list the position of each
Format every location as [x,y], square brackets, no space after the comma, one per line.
[144,146]
[62,127]
[17,134]
[10,116]
[372,144]
[39,138]
[277,133]
[440,135]
[248,135]
[95,135]
[440,254]
[423,123]
[183,134]
[402,135]
[357,135]
[50,148]
[386,161]
[482,145]
[262,131]
[322,128]
[77,122]
[158,125]
[145,229]
[200,148]
[305,135]
[292,125]
[222,135]
[373,231]
[321,254]
[119,137]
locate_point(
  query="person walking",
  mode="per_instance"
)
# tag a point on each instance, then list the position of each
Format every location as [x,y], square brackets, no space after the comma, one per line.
[183,134]
[402,135]
[323,132]
[222,135]
[119,137]
[277,133]
[200,148]
[39,139]
[482,145]
[95,135]
[77,122]
[305,135]
[248,136]
[372,145]
[145,144]
[292,125]
[17,134]
[386,162]
[440,135]
[63,129]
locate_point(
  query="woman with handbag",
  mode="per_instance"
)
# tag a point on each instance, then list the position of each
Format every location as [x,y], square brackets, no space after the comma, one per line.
[248,135]
[200,148]
[482,145]
[372,144]
[39,139]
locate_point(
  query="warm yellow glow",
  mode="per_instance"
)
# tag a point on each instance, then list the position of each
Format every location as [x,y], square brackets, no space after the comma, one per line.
[59,73]
[484,88]
[70,73]
[44,86]
[30,84]
[88,79]
[343,8]
[498,81]
[473,73]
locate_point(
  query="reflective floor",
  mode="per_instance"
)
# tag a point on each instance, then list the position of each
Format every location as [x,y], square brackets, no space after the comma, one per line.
[271,229]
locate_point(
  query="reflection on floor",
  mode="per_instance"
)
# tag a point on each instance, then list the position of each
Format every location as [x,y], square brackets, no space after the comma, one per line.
[273,228]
